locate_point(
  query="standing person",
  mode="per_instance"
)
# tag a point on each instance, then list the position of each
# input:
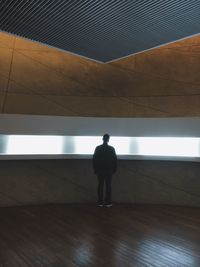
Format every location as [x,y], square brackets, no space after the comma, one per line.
[105,165]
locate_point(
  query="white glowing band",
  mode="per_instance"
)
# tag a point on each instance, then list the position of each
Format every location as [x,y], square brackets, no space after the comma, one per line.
[168,146]
[30,144]
[85,145]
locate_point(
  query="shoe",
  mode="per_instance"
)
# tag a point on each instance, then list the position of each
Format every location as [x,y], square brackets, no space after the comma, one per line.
[108,205]
[99,204]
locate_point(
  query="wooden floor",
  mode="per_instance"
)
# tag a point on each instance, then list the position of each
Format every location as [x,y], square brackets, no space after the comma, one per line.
[84,235]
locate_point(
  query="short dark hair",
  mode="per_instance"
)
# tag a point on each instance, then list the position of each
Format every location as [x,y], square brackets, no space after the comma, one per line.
[106,137]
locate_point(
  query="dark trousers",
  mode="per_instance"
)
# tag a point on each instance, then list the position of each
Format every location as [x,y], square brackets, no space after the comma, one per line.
[104,178]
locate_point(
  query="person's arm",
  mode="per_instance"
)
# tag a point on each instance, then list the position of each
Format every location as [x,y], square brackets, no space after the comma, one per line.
[114,161]
[94,159]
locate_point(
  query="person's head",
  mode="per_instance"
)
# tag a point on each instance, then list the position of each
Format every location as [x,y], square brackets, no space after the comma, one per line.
[106,138]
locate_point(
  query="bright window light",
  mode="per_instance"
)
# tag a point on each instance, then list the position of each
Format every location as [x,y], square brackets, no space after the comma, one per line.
[121,145]
[87,144]
[164,146]
[34,144]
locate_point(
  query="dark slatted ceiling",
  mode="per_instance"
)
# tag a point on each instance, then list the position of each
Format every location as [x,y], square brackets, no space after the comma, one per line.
[103,30]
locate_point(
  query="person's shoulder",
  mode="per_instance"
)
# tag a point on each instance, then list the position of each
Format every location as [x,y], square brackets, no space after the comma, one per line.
[111,147]
[98,147]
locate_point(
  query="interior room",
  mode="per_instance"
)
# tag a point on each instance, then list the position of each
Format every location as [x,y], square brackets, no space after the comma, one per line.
[80,76]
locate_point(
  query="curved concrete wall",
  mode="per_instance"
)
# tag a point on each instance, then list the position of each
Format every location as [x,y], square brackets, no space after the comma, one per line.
[35,79]
[73,181]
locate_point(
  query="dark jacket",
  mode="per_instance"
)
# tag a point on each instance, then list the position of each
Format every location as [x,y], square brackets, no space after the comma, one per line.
[104,159]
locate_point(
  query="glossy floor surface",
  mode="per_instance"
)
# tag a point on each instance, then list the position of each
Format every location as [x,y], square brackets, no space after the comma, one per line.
[84,235]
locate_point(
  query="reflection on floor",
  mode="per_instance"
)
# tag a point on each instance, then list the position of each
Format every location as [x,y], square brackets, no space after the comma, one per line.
[77,235]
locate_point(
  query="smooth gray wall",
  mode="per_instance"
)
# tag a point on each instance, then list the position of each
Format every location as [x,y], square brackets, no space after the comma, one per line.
[89,126]
[72,181]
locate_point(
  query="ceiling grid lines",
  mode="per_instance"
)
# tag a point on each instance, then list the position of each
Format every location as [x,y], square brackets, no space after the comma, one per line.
[102,30]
